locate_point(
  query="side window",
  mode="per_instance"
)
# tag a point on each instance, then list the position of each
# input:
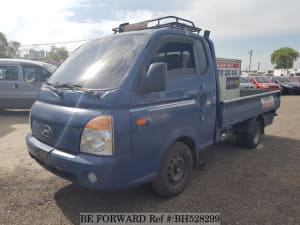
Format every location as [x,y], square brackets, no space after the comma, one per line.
[8,73]
[250,79]
[203,64]
[39,73]
[180,59]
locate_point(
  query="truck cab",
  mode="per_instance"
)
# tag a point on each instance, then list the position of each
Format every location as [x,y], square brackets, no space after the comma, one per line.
[132,108]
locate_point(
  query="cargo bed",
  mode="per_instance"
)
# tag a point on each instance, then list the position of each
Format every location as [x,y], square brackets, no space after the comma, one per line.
[249,106]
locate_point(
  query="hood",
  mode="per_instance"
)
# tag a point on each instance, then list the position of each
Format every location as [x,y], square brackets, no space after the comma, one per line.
[66,115]
[80,99]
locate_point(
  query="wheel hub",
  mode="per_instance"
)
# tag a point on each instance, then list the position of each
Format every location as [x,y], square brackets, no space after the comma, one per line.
[177,168]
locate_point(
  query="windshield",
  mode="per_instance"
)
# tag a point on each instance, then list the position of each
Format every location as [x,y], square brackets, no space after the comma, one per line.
[51,68]
[251,79]
[101,64]
[244,80]
[262,80]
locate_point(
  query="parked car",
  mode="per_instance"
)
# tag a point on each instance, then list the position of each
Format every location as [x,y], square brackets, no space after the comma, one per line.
[112,121]
[264,83]
[246,85]
[288,85]
[295,74]
[295,78]
[20,82]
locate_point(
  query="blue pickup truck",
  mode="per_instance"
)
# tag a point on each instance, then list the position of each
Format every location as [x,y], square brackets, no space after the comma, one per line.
[138,106]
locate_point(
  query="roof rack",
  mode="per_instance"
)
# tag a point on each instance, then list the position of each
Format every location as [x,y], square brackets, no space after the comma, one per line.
[177,23]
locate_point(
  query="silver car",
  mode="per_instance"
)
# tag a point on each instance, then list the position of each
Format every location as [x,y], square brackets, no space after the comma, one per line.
[20,82]
[246,85]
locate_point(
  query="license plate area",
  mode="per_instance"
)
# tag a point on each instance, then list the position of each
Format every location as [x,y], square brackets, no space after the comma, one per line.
[40,150]
[40,154]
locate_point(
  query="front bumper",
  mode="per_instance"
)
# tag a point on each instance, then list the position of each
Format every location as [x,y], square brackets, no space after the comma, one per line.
[113,173]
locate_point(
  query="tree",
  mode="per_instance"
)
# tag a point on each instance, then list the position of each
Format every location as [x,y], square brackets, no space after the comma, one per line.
[58,54]
[3,46]
[8,49]
[284,58]
[14,49]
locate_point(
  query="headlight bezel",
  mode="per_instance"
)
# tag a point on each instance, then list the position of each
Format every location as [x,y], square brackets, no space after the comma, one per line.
[93,129]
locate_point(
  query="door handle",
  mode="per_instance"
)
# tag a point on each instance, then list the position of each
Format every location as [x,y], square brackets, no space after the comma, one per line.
[203,101]
[16,85]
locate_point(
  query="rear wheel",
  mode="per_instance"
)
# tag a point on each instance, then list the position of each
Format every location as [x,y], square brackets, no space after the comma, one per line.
[252,138]
[174,174]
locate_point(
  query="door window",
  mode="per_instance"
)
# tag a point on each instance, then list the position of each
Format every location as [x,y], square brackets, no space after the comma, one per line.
[179,58]
[203,64]
[37,73]
[8,73]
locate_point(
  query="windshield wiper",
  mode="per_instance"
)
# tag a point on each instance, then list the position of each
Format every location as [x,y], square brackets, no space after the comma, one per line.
[53,88]
[58,87]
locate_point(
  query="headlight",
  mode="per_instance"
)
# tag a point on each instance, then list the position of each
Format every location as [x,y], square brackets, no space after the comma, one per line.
[97,136]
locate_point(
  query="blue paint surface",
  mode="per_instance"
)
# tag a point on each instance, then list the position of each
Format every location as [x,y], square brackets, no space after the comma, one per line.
[188,108]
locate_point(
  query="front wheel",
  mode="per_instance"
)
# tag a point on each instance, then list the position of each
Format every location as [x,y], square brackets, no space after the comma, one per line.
[174,174]
[252,138]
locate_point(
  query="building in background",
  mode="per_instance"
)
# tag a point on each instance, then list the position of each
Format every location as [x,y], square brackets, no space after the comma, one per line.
[35,54]
[229,71]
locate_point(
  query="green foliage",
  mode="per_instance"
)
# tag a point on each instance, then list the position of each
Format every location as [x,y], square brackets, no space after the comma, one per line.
[13,48]
[58,54]
[3,46]
[284,58]
[8,49]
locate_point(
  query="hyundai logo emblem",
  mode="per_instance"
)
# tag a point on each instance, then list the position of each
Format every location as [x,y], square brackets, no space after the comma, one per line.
[46,131]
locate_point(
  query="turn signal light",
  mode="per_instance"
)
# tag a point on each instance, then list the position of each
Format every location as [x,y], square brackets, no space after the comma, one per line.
[141,122]
[100,123]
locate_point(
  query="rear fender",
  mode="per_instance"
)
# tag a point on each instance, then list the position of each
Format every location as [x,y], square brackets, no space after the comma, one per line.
[268,118]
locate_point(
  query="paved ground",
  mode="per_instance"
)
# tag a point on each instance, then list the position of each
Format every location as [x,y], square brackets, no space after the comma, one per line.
[254,187]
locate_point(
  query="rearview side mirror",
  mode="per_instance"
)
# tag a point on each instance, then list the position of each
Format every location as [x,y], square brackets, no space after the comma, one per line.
[156,78]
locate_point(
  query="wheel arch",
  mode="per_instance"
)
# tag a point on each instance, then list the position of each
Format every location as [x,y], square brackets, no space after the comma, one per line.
[261,119]
[249,124]
[190,142]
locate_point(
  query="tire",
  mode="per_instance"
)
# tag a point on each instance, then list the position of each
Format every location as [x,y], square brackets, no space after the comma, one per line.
[174,174]
[252,138]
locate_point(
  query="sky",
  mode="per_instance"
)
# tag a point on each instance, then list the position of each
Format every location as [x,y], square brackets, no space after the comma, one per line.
[236,26]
